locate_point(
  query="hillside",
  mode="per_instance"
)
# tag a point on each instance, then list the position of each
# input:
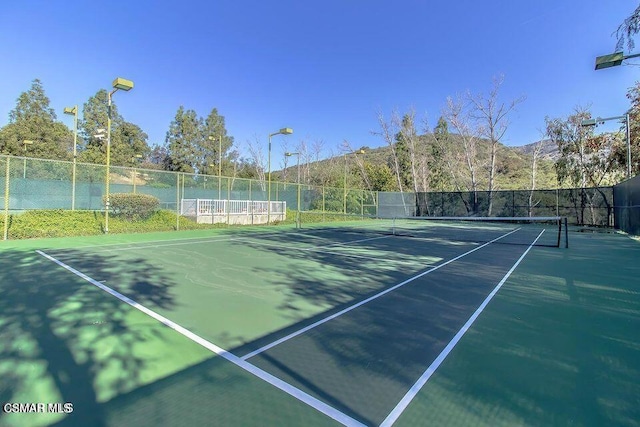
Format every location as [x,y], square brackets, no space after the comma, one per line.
[549,149]
[513,164]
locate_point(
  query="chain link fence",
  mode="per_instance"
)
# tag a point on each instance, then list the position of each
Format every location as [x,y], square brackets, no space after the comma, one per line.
[48,184]
[582,206]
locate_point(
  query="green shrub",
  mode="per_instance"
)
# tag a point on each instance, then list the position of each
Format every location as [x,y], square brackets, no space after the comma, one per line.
[132,206]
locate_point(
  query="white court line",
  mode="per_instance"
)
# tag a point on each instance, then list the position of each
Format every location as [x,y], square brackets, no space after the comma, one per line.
[263,375]
[190,239]
[371,298]
[177,242]
[413,391]
[241,238]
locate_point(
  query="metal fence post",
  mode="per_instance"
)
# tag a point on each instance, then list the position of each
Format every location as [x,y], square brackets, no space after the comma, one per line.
[6,201]
[178,202]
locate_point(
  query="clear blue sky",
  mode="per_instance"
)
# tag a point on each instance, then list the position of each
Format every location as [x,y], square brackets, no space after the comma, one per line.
[323,68]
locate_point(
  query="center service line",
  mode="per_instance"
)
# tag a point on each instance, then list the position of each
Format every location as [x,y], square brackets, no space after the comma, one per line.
[263,375]
[371,298]
[413,391]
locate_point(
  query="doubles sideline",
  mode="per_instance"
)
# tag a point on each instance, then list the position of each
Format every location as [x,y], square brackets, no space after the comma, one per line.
[417,386]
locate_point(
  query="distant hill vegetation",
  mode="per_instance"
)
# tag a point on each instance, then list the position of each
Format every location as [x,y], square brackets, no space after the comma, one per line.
[513,165]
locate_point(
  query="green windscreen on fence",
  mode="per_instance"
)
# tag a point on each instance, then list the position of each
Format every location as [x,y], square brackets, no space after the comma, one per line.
[581,206]
[627,205]
[49,184]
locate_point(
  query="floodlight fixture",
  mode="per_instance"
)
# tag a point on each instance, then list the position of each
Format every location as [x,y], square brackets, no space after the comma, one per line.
[612,60]
[122,84]
[283,131]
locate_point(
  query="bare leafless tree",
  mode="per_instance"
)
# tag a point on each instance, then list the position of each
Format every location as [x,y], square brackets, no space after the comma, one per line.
[258,159]
[460,119]
[388,131]
[535,156]
[316,149]
[491,116]
[284,163]
[408,132]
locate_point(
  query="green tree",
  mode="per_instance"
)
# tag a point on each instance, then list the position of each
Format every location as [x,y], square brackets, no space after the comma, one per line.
[183,141]
[214,129]
[380,176]
[585,160]
[634,129]
[440,178]
[127,139]
[33,119]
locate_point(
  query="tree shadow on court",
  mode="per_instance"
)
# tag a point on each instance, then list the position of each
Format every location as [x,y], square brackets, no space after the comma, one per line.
[559,346]
[384,346]
[333,276]
[555,349]
[64,340]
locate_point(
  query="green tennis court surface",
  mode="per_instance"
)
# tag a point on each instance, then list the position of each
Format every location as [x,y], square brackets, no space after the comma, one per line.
[318,326]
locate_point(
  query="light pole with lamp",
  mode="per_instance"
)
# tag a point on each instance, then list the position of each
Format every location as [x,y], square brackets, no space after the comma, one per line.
[623,119]
[212,138]
[612,60]
[73,111]
[344,196]
[283,131]
[288,154]
[24,164]
[118,84]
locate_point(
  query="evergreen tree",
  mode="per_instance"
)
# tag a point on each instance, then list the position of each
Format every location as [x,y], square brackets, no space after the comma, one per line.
[34,120]
[209,147]
[439,176]
[127,139]
[183,142]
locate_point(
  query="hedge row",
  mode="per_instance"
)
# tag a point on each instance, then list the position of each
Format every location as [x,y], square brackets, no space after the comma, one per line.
[65,223]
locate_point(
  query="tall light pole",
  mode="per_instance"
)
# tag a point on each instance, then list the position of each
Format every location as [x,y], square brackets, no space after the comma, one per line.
[24,160]
[344,195]
[623,119]
[298,179]
[212,138]
[74,112]
[283,131]
[118,84]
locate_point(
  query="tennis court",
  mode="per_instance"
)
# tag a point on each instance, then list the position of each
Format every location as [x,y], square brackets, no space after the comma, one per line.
[410,323]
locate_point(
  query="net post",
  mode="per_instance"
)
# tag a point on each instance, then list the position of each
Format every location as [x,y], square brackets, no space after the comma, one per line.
[566,233]
[559,231]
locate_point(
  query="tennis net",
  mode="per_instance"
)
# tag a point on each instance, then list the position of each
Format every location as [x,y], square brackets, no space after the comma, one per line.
[552,231]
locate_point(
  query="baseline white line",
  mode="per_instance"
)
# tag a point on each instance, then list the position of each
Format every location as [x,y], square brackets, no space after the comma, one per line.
[371,298]
[191,239]
[179,242]
[239,238]
[263,375]
[413,391]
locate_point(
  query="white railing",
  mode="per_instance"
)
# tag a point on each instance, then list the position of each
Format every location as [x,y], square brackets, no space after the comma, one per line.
[233,211]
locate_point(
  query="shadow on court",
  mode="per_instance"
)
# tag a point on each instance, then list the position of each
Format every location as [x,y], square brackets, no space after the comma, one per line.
[64,340]
[557,346]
